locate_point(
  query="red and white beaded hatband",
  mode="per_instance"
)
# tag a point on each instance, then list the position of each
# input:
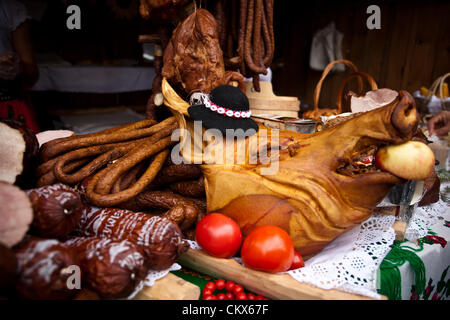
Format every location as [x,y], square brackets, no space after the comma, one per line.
[224,111]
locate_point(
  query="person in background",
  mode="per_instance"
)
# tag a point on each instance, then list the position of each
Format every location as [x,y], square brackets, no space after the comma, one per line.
[18,69]
[440,124]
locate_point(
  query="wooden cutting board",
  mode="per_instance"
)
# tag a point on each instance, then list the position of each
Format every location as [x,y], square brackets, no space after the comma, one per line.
[275,286]
[170,287]
[279,113]
[266,101]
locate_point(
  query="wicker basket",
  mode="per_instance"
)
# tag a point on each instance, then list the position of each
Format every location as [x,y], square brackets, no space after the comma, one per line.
[422,102]
[317,112]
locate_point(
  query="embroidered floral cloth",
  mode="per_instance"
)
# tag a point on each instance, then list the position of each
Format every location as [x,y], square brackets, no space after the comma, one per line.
[418,270]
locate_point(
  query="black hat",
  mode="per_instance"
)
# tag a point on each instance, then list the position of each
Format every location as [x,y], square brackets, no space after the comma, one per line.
[226,107]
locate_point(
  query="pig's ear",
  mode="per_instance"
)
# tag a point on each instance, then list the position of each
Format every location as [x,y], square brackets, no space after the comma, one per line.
[372,100]
[405,117]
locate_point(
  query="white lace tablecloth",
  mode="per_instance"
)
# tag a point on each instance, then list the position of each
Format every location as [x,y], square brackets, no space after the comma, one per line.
[350,263]
[152,276]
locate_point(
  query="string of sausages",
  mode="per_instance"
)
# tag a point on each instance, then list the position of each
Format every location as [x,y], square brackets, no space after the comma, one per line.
[127,167]
[248,43]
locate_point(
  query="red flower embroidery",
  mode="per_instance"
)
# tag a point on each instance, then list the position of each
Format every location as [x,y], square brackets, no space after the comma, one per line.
[437,239]
[428,289]
[414,296]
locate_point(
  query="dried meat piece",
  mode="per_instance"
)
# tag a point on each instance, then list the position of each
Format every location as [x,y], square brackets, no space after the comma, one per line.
[111,268]
[193,57]
[160,239]
[57,210]
[44,269]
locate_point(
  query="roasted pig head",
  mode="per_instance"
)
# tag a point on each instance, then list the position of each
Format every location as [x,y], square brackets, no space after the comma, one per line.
[317,193]
[314,189]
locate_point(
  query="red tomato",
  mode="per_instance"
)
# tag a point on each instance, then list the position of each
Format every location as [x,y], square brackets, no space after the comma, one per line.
[221,296]
[268,248]
[229,286]
[237,289]
[220,284]
[218,235]
[297,262]
[210,297]
[206,292]
[251,296]
[241,296]
[229,296]
[211,286]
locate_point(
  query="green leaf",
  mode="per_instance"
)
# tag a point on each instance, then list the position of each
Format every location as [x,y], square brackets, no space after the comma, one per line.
[443,175]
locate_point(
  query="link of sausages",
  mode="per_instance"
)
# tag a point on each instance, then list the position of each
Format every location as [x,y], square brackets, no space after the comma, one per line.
[176,172]
[117,151]
[123,128]
[78,154]
[242,20]
[166,200]
[220,20]
[49,150]
[50,178]
[257,34]
[139,153]
[248,40]
[268,40]
[111,200]
[268,6]
[106,156]
[256,40]
[194,189]
[129,177]
[184,215]
[48,166]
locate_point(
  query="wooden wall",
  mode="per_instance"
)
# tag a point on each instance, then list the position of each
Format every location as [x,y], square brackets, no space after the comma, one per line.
[410,50]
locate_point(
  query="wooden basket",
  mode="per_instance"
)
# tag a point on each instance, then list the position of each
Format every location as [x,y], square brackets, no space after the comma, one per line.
[359,75]
[422,102]
[317,112]
[331,121]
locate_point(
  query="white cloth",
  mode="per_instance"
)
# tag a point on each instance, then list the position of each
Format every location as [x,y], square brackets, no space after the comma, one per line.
[326,47]
[89,123]
[426,216]
[12,14]
[262,77]
[94,79]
